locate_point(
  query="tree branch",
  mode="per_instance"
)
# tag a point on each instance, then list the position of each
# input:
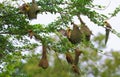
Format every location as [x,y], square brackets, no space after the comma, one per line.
[80,19]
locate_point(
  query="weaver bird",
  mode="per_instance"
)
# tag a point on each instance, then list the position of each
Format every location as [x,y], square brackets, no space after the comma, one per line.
[107,29]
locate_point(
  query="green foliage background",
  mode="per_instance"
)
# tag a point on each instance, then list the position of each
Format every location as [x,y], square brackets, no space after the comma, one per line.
[14,40]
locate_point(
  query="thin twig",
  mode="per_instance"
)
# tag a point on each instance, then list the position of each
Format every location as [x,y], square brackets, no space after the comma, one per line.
[24,1]
[105,7]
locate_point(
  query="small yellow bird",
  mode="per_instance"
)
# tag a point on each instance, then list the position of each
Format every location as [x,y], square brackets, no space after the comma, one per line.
[107,28]
[27,7]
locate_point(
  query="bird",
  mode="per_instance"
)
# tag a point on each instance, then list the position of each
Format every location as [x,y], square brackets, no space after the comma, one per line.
[77,35]
[107,29]
[69,58]
[43,61]
[31,34]
[24,8]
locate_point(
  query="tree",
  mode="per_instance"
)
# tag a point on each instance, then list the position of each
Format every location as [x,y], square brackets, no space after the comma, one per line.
[16,34]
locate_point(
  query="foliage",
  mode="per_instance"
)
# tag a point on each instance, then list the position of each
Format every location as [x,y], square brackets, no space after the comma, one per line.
[16,31]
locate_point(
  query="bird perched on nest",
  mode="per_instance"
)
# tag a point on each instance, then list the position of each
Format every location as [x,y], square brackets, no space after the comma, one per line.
[77,35]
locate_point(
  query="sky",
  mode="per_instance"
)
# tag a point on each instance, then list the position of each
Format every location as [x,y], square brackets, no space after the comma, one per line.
[113,42]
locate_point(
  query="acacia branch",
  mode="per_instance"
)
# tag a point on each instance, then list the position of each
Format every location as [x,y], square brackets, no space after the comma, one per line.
[9,33]
[80,19]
